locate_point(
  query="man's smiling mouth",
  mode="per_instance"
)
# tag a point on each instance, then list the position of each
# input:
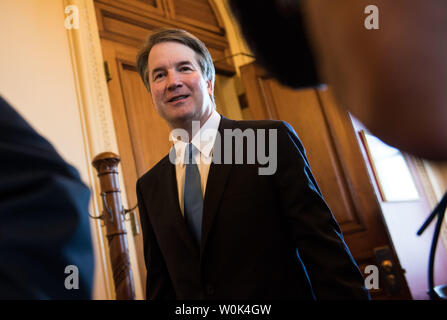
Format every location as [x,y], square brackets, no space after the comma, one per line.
[177,98]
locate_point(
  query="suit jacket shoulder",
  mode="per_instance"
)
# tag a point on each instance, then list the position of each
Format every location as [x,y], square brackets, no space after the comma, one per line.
[284,129]
[255,124]
[44,214]
[154,172]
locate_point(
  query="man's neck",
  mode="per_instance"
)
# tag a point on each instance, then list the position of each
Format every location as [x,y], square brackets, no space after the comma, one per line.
[193,126]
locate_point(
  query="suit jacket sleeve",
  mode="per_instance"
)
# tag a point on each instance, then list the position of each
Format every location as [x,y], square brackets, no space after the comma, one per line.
[158,283]
[44,217]
[331,270]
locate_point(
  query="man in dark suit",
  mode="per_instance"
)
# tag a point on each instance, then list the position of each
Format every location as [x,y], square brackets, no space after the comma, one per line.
[218,225]
[44,226]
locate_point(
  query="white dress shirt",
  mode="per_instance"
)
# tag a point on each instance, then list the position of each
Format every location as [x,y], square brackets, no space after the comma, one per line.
[203,141]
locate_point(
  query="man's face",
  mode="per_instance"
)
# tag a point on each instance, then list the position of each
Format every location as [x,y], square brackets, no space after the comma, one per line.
[179,91]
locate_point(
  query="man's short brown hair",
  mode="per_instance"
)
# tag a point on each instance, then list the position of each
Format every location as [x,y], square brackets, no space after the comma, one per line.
[180,36]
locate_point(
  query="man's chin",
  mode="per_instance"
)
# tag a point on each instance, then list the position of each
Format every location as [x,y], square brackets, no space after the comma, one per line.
[180,119]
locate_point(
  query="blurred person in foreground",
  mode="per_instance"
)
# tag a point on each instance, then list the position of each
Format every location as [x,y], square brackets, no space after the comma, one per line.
[393,79]
[44,221]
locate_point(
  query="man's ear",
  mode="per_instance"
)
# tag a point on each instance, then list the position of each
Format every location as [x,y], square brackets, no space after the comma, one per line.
[209,85]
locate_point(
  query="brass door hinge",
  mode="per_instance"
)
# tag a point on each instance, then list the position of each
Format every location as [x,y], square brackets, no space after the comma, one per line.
[131,216]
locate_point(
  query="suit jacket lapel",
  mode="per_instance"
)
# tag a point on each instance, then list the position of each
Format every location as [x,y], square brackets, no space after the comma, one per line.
[216,183]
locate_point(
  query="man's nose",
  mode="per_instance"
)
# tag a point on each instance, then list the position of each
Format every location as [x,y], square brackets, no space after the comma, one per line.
[173,81]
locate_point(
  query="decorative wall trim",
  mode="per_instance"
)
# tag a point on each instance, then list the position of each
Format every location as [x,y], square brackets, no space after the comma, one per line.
[97,125]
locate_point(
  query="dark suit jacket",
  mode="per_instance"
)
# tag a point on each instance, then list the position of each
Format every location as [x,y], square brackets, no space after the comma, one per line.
[44,224]
[263,236]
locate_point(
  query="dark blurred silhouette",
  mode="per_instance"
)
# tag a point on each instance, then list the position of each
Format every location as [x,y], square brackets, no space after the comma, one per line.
[44,224]
[392,79]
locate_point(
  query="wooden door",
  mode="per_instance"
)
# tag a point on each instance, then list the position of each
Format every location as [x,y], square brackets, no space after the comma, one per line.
[336,161]
[143,136]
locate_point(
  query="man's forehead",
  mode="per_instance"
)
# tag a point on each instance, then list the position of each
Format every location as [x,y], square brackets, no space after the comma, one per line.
[171,53]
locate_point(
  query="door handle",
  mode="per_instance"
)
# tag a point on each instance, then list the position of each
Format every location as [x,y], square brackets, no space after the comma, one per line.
[388,270]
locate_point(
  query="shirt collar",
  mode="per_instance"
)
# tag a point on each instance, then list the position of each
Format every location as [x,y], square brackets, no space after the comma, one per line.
[203,140]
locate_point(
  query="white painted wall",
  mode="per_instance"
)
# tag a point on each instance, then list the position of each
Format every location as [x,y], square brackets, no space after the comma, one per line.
[36,77]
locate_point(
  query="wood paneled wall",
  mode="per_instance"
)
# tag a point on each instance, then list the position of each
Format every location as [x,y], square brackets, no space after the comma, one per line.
[131,21]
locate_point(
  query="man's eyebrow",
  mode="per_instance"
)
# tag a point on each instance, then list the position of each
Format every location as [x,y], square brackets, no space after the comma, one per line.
[181,63]
[184,62]
[157,70]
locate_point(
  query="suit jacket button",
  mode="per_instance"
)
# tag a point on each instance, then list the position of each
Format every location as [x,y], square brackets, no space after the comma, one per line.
[209,290]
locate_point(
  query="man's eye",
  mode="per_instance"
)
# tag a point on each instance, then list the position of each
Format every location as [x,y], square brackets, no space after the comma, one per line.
[158,76]
[185,68]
